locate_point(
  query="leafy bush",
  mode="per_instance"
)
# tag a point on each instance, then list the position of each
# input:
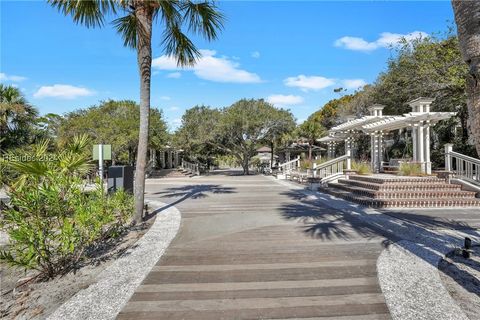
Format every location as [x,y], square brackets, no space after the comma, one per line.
[306,164]
[362,167]
[51,220]
[410,169]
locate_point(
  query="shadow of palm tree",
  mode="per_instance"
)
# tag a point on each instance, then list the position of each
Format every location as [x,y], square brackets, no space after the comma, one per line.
[189,192]
[326,223]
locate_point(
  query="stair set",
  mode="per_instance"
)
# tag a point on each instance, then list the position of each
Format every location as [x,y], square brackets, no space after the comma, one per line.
[387,191]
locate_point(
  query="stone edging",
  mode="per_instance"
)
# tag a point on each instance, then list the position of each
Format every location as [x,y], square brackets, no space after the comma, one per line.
[106,298]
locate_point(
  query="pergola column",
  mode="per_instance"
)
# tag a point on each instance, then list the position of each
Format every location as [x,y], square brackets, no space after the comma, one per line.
[162,159]
[421,153]
[414,142]
[426,132]
[376,147]
[380,151]
[176,159]
[420,144]
[169,159]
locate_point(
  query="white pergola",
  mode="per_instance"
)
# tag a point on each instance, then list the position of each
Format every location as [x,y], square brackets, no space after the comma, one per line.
[376,125]
[331,142]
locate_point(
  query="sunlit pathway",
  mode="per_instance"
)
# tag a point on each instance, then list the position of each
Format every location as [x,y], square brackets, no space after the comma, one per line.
[248,249]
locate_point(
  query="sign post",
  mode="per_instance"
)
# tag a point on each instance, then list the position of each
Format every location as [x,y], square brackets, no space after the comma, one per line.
[100,162]
[102,152]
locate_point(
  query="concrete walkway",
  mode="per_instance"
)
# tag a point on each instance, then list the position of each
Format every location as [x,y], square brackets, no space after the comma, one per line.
[248,248]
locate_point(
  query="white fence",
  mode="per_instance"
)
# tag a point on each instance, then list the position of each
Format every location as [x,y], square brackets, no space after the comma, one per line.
[331,167]
[462,166]
[292,165]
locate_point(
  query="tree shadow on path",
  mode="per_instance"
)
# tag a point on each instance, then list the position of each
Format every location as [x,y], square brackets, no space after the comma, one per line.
[328,223]
[190,192]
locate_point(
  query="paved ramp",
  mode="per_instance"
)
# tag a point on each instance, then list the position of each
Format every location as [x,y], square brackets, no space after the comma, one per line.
[249,248]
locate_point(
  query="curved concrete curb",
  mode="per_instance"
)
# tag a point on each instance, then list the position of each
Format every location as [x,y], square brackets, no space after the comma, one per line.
[106,298]
[412,286]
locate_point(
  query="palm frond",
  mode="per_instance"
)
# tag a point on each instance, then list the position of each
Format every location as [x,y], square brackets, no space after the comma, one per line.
[169,12]
[127,28]
[178,45]
[203,18]
[90,13]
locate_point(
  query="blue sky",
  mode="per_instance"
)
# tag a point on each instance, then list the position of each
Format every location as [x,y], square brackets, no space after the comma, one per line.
[292,53]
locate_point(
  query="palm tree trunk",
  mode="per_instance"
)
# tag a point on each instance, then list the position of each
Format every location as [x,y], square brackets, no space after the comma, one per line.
[144,14]
[467,17]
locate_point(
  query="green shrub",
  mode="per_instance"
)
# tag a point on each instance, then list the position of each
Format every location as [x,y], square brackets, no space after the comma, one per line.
[51,220]
[362,167]
[410,169]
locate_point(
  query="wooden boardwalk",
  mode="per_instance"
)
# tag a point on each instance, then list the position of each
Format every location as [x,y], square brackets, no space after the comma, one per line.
[248,248]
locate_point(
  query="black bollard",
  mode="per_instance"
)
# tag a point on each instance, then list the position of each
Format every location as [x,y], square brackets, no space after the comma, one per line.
[468,243]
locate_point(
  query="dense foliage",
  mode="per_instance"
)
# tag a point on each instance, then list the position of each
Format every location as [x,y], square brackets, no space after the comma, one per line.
[237,130]
[116,123]
[51,218]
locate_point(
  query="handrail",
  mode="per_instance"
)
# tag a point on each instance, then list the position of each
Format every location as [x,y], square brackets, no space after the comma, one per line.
[465,157]
[331,167]
[462,166]
[193,168]
[290,165]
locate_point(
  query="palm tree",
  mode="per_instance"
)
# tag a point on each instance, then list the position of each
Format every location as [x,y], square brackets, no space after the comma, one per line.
[16,117]
[311,130]
[135,27]
[467,17]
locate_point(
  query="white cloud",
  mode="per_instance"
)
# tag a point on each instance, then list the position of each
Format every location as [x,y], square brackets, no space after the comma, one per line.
[210,67]
[255,54]
[284,100]
[63,91]
[306,83]
[12,78]
[353,83]
[173,108]
[385,40]
[174,75]
[165,98]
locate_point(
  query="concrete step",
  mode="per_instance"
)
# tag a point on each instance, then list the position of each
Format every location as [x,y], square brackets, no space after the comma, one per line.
[386,179]
[404,193]
[402,203]
[400,186]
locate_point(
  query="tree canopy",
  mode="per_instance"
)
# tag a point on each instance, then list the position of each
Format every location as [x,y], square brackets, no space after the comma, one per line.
[237,130]
[116,123]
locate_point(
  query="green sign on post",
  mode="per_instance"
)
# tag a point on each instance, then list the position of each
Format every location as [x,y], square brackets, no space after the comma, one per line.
[106,150]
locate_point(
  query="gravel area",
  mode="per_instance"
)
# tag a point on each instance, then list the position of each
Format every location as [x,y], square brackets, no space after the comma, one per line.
[105,298]
[461,278]
[412,286]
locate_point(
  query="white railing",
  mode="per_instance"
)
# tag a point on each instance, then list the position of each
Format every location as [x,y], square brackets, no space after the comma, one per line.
[462,166]
[289,166]
[331,167]
[191,167]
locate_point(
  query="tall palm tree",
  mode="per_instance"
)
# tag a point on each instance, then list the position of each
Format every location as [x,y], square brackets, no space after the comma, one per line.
[467,17]
[134,24]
